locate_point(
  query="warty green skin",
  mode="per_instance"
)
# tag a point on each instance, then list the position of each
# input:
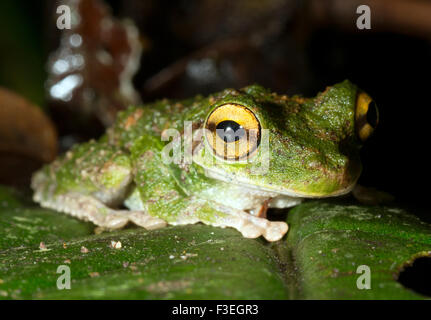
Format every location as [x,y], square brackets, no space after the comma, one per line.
[313,152]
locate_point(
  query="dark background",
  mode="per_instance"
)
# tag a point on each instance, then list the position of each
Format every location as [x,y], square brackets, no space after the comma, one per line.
[298,47]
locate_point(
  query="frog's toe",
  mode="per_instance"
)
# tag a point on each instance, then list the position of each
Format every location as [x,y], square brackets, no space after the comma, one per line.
[254,227]
[112,221]
[270,230]
[275,231]
[146,220]
[250,230]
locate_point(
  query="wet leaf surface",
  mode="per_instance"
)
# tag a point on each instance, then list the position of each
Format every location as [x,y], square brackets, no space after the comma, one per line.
[190,262]
[23,224]
[326,243]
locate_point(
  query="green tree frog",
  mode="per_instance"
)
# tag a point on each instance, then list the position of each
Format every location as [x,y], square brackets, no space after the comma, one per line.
[222,160]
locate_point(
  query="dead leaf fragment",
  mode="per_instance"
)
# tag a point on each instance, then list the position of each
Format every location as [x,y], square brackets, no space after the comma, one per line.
[115,245]
[91,72]
[27,139]
[24,128]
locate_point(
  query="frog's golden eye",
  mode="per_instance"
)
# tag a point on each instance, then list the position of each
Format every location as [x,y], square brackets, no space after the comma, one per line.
[233,131]
[366,116]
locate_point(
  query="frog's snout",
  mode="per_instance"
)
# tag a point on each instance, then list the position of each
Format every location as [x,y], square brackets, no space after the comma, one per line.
[366,116]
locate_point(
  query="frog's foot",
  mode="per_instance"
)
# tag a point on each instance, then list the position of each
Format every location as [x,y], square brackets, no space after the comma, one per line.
[145,220]
[117,219]
[91,209]
[270,230]
[253,227]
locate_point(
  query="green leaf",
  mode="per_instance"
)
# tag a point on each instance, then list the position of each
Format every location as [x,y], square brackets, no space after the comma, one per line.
[328,241]
[186,262]
[24,224]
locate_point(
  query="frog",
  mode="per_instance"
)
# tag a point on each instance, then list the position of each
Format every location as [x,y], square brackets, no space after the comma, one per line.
[223,160]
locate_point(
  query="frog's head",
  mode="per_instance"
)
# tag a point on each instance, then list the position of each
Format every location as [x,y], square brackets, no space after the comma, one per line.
[293,146]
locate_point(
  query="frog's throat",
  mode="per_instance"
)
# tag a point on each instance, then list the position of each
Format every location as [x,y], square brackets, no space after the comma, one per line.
[280,191]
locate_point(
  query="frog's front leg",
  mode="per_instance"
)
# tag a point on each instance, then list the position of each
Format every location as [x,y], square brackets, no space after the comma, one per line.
[90,182]
[89,208]
[179,209]
[160,191]
[249,225]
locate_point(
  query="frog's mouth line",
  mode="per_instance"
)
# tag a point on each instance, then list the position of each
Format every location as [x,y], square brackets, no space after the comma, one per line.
[286,192]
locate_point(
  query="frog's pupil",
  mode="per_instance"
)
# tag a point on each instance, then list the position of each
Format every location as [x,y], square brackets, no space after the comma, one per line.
[230,131]
[372,114]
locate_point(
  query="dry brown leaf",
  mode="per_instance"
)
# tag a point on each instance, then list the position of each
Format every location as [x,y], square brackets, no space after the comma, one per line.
[27,137]
[91,72]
